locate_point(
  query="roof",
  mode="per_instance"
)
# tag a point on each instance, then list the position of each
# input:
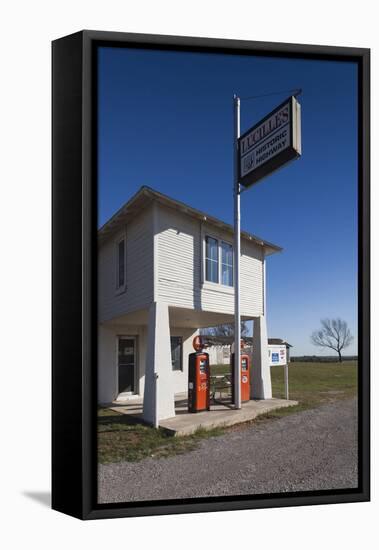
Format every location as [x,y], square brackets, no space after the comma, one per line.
[278,342]
[146,195]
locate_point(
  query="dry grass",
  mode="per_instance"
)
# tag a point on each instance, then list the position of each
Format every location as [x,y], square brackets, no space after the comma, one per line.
[122,439]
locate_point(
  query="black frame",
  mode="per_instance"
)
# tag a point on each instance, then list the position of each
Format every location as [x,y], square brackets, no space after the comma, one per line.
[74,333]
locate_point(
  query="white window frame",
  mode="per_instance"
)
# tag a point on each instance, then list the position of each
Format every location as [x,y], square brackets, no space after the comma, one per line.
[211,284]
[122,288]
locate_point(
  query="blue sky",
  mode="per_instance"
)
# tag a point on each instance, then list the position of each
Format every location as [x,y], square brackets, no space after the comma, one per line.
[166,121]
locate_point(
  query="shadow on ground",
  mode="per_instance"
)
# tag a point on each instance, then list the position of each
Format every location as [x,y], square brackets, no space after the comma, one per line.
[42,497]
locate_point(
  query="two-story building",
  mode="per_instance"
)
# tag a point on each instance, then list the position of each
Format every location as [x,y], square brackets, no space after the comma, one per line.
[165,270]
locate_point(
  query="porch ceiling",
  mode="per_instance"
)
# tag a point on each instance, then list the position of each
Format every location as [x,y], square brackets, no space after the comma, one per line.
[189,318]
[179,317]
[139,317]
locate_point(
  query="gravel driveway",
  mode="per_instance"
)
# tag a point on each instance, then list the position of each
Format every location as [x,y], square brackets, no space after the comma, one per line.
[310,450]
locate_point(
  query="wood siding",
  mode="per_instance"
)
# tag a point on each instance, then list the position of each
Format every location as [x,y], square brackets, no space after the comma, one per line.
[139,269]
[180,282]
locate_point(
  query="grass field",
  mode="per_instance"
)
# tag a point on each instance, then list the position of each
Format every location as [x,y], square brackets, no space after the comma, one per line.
[312,384]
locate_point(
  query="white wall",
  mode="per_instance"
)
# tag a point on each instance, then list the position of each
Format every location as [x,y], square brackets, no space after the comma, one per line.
[180,267]
[107,359]
[178,259]
[139,269]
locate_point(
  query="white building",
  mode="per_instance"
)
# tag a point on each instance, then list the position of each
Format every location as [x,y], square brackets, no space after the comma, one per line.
[165,270]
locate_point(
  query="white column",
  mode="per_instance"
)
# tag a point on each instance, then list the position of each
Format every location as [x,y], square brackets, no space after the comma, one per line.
[107,366]
[158,401]
[261,375]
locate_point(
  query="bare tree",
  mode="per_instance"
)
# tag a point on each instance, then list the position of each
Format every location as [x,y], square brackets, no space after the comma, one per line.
[334,334]
[225,330]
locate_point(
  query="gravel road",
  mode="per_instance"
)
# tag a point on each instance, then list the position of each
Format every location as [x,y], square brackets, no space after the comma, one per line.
[310,450]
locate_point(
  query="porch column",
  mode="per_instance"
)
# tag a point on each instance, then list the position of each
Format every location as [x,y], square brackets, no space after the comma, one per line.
[158,400]
[261,375]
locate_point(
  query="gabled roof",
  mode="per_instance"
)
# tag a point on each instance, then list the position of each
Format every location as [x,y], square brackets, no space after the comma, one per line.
[278,342]
[146,195]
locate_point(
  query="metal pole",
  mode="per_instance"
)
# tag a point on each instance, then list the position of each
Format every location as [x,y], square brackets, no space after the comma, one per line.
[286,381]
[237,255]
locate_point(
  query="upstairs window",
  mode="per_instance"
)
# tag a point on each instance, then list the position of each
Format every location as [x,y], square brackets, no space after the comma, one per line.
[226,264]
[121,265]
[211,259]
[218,261]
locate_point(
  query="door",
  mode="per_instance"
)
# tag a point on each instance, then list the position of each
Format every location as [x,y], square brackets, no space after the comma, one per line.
[126,364]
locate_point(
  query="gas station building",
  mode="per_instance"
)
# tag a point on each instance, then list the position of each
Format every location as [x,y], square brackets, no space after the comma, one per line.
[165,270]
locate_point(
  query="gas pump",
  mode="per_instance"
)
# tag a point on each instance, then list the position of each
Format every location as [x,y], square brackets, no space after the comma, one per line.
[245,375]
[198,378]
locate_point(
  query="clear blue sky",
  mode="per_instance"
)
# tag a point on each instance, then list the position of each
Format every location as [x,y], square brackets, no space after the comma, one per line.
[166,121]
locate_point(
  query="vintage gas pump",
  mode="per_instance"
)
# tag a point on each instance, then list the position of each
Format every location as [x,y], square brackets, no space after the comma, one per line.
[245,375]
[198,378]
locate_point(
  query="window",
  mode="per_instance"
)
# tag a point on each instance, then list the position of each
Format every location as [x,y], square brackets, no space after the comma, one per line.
[226,264]
[215,270]
[120,284]
[211,259]
[177,352]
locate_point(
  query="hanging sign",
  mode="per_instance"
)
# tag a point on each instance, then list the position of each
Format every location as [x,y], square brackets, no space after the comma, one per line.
[271,143]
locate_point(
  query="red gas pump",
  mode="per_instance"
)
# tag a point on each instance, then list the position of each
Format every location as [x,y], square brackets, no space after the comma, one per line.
[245,376]
[198,378]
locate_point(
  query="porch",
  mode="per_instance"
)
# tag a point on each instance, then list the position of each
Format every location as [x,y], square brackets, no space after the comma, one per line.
[145,354]
[221,413]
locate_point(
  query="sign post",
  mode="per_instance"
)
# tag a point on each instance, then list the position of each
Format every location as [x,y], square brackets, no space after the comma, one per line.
[237,256]
[286,383]
[286,390]
[267,146]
